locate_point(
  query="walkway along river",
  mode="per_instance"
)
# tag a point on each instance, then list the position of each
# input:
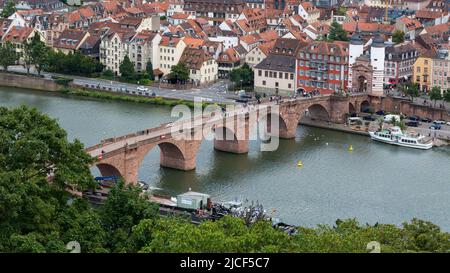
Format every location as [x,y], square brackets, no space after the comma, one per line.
[374,182]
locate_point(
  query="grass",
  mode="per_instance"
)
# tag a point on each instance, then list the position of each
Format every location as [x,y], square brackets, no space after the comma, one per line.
[129,98]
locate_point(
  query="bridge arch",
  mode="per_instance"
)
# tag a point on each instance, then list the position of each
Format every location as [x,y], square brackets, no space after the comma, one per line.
[282,129]
[109,170]
[351,108]
[365,106]
[318,112]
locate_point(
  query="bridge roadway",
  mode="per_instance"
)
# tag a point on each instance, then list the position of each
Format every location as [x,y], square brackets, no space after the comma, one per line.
[164,131]
[122,156]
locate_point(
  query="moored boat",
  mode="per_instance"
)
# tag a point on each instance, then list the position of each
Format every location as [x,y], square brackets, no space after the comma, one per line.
[395,136]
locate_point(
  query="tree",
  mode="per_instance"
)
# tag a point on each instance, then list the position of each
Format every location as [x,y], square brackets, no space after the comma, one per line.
[39,53]
[27,55]
[179,73]
[446,96]
[123,209]
[398,36]
[9,9]
[8,55]
[126,69]
[149,70]
[411,90]
[341,11]
[242,75]
[435,94]
[34,151]
[337,32]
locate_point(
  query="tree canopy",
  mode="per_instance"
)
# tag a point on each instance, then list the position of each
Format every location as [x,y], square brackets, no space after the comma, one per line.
[9,9]
[8,55]
[244,74]
[126,69]
[435,94]
[179,73]
[398,36]
[337,32]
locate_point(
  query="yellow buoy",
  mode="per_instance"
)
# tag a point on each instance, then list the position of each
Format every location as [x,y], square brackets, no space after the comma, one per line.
[299,163]
[350,148]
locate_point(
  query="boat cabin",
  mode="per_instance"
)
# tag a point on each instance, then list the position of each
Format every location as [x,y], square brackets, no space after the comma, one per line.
[193,200]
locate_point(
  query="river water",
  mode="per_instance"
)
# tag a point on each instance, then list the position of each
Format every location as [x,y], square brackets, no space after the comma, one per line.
[374,183]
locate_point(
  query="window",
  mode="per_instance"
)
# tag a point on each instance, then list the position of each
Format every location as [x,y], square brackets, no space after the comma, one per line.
[289,86]
[276,84]
[264,82]
[292,76]
[260,73]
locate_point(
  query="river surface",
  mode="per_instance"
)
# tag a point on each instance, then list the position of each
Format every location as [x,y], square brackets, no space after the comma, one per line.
[375,182]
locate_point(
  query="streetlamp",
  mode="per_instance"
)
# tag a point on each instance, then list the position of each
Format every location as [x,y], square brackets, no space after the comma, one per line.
[241,83]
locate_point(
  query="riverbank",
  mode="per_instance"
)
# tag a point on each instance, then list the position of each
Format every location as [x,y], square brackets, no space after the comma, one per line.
[437,141]
[106,95]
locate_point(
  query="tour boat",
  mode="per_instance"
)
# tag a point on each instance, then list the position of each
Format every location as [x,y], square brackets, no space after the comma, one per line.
[395,136]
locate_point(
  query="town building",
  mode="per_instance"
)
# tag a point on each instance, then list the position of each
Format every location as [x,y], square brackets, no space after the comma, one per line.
[202,66]
[323,67]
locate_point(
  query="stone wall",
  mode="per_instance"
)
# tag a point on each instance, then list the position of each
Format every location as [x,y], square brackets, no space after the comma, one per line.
[28,82]
[405,106]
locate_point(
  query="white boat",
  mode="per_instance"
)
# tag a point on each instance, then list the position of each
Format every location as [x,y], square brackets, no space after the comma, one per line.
[395,136]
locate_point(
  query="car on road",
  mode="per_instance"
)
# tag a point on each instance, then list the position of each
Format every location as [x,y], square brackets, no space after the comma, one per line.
[414,118]
[435,127]
[439,121]
[412,123]
[371,118]
[448,123]
[428,120]
[380,113]
[142,89]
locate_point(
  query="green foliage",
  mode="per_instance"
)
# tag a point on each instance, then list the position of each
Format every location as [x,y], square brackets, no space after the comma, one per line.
[63,81]
[33,146]
[72,64]
[126,69]
[244,74]
[398,36]
[341,11]
[446,96]
[8,55]
[149,70]
[337,32]
[179,73]
[9,9]
[411,90]
[108,74]
[435,94]
[39,53]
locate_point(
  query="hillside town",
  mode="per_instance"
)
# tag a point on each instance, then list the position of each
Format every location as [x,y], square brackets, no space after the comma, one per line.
[292,46]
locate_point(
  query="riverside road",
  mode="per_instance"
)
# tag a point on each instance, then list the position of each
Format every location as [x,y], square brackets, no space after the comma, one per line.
[216,92]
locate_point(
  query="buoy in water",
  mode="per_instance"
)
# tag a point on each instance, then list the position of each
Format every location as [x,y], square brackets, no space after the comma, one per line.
[350,148]
[299,163]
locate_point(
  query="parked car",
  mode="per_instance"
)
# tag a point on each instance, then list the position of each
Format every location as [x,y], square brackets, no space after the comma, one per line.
[428,120]
[435,126]
[448,123]
[142,89]
[380,113]
[371,118]
[439,121]
[412,123]
[353,115]
[414,118]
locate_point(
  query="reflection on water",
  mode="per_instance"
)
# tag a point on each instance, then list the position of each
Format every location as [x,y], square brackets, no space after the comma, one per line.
[374,183]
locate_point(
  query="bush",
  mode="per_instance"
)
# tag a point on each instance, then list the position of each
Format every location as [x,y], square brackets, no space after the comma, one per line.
[63,81]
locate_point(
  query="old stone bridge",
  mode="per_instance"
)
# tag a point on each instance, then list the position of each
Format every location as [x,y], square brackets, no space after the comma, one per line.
[122,156]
